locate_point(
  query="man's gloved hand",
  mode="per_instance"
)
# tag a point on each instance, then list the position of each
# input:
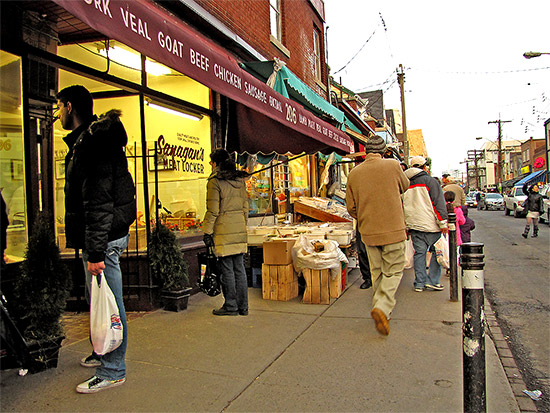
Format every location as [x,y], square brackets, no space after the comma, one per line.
[208,240]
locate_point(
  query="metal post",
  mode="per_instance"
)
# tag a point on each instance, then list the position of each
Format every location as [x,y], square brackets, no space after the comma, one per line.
[453,289]
[473,327]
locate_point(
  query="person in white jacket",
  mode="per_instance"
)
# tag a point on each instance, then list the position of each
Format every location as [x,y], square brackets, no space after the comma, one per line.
[426,219]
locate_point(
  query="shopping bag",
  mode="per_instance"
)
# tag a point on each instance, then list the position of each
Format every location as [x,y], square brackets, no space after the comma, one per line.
[442,252]
[209,278]
[409,253]
[105,325]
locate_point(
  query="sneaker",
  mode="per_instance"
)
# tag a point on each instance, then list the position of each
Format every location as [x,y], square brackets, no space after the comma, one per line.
[382,324]
[90,361]
[418,289]
[436,287]
[95,384]
[223,311]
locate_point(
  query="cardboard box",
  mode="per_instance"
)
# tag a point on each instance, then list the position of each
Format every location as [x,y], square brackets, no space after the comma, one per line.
[279,282]
[278,252]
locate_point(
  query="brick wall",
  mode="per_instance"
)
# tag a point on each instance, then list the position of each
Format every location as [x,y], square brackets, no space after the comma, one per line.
[249,19]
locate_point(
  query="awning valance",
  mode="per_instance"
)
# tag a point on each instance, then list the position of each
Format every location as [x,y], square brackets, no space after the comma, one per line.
[146,27]
[532,178]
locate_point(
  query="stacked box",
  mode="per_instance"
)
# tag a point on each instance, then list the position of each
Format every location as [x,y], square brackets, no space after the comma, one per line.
[317,286]
[279,282]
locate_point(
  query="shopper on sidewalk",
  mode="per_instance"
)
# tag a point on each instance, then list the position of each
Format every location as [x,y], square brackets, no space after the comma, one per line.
[100,206]
[534,206]
[426,219]
[460,196]
[373,197]
[364,265]
[224,229]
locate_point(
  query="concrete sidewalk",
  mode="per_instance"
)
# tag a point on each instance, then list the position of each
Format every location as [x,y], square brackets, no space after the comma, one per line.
[285,356]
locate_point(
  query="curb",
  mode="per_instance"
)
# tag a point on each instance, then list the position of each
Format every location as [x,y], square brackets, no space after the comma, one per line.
[525,403]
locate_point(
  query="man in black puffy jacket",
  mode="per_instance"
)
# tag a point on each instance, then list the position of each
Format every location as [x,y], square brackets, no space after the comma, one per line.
[100,206]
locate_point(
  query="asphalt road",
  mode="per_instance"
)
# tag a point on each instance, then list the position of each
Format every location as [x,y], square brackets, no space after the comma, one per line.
[517,283]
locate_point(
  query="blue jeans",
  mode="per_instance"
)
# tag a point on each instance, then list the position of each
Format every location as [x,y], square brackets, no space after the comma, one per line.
[113,365]
[234,283]
[424,242]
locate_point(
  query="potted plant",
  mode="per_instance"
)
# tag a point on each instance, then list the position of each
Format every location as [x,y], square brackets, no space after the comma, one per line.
[169,267]
[40,295]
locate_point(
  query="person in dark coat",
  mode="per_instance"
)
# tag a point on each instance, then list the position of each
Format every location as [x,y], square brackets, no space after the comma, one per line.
[467,227]
[100,206]
[534,207]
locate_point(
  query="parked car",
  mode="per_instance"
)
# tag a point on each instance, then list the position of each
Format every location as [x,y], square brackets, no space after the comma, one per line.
[545,192]
[471,202]
[492,201]
[513,200]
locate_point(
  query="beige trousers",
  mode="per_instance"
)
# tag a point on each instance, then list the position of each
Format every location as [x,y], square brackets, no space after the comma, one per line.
[386,266]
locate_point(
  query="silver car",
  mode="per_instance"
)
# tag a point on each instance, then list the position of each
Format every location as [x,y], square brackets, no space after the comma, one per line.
[492,201]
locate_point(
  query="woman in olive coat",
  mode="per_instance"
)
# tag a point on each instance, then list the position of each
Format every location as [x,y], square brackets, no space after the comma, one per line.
[224,229]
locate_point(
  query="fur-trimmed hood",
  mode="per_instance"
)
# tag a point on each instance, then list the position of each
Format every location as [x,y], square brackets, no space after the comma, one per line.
[109,127]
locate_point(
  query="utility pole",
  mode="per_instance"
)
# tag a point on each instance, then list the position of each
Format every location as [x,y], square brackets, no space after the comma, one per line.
[401,80]
[499,152]
[475,155]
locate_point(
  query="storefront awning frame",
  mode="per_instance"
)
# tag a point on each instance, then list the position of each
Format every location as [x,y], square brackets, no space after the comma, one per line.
[147,28]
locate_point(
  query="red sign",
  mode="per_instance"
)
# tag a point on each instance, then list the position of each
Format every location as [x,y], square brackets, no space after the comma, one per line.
[147,28]
[539,162]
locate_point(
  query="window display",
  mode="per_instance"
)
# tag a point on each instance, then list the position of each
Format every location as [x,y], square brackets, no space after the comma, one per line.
[12,177]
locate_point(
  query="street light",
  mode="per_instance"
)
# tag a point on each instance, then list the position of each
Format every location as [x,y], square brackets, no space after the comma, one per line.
[530,55]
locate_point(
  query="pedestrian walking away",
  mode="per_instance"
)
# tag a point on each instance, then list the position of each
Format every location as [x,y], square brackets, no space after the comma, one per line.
[534,207]
[373,197]
[224,229]
[100,206]
[426,220]
[460,196]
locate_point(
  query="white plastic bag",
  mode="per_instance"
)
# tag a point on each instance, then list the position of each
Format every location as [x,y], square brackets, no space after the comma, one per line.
[304,256]
[105,324]
[409,253]
[442,252]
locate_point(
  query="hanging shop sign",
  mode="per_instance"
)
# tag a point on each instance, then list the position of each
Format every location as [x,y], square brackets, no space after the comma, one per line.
[147,28]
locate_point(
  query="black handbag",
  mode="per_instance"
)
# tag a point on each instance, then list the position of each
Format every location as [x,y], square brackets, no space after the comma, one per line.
[209,278]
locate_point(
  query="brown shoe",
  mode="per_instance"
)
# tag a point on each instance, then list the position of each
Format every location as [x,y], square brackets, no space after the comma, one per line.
[382,324]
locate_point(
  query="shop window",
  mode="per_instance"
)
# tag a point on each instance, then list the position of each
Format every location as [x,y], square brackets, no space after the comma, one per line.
[171,82]
[183,147]
[120,60]
[299,178]
[12,161]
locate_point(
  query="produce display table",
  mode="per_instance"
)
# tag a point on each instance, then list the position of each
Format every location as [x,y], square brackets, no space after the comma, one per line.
[302,210]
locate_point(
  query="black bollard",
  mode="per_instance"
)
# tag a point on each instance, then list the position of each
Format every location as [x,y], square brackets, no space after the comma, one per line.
[473,327]
[453,263]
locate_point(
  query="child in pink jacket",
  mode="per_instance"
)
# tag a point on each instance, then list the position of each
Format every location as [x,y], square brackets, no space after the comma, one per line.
[460,218]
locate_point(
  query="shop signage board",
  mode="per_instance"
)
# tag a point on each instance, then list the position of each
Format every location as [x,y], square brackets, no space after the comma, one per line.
[147,28]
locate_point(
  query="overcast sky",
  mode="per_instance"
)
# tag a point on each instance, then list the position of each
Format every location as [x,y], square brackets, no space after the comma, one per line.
[464,66]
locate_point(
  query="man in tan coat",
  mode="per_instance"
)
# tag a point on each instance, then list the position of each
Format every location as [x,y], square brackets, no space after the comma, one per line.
[373,197]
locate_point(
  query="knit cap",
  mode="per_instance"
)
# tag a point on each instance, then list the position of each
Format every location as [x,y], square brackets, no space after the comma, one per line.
[375,144]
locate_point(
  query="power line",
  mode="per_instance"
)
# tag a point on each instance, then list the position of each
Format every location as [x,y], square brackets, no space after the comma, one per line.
[480,73]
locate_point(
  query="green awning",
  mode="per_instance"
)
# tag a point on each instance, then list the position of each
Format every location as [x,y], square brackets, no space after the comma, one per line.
[350,125]
[290,86]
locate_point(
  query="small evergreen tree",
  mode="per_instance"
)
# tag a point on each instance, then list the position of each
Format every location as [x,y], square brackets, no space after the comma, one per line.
[166,259]
[42,289]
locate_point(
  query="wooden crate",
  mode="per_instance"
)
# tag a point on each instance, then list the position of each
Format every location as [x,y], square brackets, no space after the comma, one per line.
[335,286]
[279,282]
[317,286]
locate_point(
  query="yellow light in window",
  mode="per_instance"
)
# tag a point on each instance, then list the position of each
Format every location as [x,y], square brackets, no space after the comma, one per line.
[191,116]
[133,60]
